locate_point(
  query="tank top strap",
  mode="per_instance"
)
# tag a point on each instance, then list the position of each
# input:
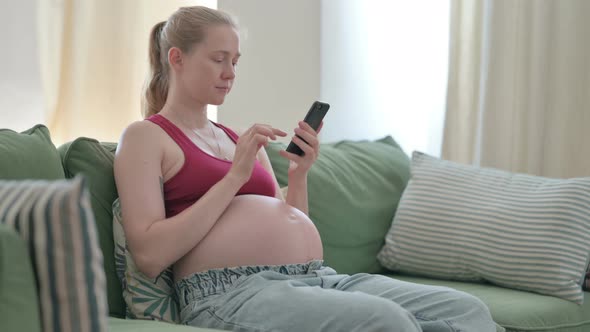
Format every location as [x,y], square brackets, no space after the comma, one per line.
[232,134]
[173,131]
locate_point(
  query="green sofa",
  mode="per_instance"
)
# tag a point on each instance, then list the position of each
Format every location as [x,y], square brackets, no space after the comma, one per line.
[354,189]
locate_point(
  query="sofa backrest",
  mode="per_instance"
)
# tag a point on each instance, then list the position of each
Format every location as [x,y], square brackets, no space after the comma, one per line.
[29,155]
[94,160]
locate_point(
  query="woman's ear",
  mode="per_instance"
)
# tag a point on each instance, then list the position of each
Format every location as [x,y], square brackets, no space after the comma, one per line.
[175,58]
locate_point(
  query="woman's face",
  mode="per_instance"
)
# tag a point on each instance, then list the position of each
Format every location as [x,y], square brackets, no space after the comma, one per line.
[209,69]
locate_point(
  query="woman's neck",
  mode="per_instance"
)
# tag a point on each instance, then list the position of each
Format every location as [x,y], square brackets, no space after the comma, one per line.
[191,115]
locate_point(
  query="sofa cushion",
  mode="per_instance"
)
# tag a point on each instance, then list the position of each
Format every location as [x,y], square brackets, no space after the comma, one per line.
[19,304]
[29,155]
[56,221]
[353,191]
[138,325]
[519,310]
[519,231]
[95,161]
[146,298]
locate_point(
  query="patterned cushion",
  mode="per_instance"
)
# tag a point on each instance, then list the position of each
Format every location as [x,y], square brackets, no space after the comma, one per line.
[55,219]
[146,298]
[466,223]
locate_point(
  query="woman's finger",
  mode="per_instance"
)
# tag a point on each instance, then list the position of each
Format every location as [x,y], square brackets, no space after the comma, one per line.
[304,146]
[268,131]
[311,139]
[260,140]
[305,126]
[320,127]
[291,156]
[279,132]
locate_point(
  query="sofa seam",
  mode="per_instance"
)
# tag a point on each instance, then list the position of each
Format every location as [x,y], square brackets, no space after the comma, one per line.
[545,328]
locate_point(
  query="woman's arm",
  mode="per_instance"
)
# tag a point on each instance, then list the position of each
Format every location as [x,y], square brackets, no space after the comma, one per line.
[297,193]
[306,138]
[154,241]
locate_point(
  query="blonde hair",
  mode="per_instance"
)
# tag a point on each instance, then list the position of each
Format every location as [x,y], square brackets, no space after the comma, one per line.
[184,29]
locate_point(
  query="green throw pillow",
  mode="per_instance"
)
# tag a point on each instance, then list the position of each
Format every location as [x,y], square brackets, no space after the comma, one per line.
[95,161]
[19,302]
[29,155]
[468,223]
[56,221]
[145,298]
[353,191]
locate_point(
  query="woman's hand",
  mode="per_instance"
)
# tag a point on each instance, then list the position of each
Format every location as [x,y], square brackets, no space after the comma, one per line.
[247,147]
[300,165]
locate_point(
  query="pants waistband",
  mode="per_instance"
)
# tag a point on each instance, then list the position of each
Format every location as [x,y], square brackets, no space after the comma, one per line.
[203,284]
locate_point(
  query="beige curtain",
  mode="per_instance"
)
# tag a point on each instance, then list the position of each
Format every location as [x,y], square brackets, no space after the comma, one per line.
[519,86]
[93,56]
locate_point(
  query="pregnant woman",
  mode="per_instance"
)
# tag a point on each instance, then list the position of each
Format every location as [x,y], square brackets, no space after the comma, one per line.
[198,196]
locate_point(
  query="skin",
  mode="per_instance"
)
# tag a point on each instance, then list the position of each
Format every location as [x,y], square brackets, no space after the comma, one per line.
[215,225]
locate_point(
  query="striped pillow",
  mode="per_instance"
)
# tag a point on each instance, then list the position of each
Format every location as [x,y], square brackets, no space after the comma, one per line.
[55,219]
[478,224]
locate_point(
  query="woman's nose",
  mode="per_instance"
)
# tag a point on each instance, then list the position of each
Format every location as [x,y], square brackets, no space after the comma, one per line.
[229,73]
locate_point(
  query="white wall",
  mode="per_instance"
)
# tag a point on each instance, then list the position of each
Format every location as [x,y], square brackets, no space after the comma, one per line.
[344,68]
[384,70]
[21,103]
[278,76]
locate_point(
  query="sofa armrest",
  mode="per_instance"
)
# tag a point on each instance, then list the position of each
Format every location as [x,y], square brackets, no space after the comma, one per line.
[19,304]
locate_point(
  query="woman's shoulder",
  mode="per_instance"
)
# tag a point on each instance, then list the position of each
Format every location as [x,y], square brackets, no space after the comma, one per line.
[141,133]
[142,129]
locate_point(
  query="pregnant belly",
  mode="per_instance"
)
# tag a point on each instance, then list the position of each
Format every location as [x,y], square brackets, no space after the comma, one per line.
[254,230]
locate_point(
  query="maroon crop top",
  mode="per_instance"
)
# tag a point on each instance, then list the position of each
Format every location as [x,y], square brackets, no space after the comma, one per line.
[201,171]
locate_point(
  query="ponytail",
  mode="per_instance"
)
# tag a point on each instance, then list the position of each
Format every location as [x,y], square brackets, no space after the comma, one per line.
[156,86]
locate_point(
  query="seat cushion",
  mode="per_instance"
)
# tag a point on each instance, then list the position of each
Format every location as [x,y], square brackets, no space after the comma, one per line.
[139,325]
[519,310]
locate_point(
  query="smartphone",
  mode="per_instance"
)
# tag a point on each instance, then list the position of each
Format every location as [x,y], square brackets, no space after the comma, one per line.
[313,118]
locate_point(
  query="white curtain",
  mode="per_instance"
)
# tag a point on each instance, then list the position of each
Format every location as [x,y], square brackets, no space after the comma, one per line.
[93,56]
[519,86]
